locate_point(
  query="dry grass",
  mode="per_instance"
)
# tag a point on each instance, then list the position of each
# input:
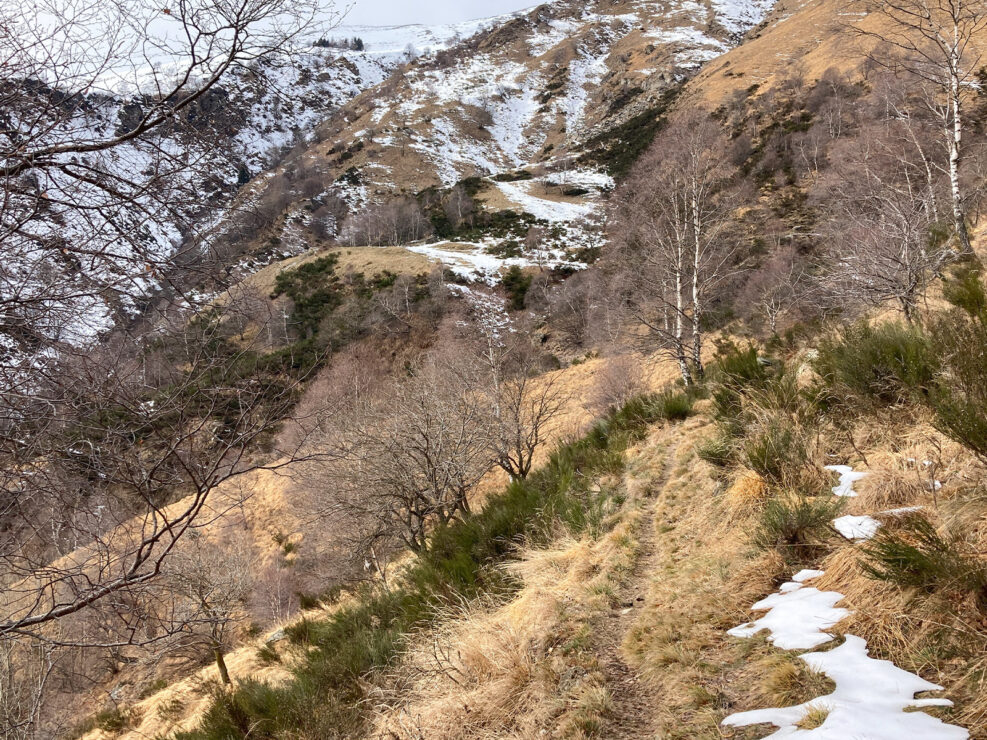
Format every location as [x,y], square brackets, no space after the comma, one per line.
[787,681]
[703,583]
[813,718]
[519,669]
[748,492]
[931,634]
[368,260]
[265,497]
[178,706]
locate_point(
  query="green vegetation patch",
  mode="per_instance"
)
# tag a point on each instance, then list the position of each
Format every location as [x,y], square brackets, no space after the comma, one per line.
[620,147]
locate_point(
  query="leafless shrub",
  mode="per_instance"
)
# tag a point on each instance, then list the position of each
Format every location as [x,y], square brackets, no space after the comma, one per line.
[398,222]
[620,379]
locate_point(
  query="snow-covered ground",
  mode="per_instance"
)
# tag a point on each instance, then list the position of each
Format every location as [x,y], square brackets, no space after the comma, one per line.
[873,699]
[797,615]
[523,87]
[384,39]
[553,211]
[857,527]
[474,262]
[569,224]
[869,702]
[488,310]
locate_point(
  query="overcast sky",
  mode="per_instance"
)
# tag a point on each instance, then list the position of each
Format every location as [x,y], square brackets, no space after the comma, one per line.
[400,12]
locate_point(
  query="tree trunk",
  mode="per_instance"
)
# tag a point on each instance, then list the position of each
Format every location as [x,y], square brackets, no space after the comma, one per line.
[697,306]
[679,328]
[224,673]
[959,219]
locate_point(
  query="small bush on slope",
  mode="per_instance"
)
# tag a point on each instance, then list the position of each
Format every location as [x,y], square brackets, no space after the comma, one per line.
[797,526]
[959,400]
[883,365]
[892,364]
[324,700]
[917,556]
[717,450]
[740,368]
[776,450]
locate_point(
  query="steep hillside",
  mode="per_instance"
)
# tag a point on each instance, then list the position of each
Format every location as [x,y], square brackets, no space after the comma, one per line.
[625,371]
[499,150]
[182,180]
[531,90]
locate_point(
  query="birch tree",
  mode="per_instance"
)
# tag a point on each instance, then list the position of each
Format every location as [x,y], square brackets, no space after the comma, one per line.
[673,221]
[940,43]
[882,237]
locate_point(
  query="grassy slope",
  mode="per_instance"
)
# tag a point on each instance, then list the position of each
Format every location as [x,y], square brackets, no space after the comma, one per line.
[326,697]
[534,659]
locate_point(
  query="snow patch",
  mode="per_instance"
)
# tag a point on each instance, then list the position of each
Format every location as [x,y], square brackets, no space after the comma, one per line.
[542,208]
[847,478]
[857,527]
[797,615]
[472,260]
[869,702]
[490,311]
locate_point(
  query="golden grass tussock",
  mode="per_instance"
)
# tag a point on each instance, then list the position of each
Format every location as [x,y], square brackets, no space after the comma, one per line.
[813,718]
[747,493]
[786,680]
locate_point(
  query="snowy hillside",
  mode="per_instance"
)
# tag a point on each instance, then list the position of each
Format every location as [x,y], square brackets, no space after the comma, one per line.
[540,84]
[418,106]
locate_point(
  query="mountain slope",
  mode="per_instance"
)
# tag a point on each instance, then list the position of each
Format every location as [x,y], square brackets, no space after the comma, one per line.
[531,90]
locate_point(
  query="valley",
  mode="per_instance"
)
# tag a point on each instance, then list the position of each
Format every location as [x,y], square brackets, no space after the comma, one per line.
[607,369]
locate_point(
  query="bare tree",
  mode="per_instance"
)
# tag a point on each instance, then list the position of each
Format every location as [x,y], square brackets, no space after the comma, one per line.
[90,206]
[938,42]
[211,581]
[883,239]
[781,287]
[400,221]
[524,404]
[620,379]
[413,458]
[111,459]
[673,220]
[25,669]
[458,206]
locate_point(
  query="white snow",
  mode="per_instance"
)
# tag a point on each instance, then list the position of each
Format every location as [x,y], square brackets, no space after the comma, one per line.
[868,702]
[489,310]
[472,260]
[847,478]
[857,527]
[581,178]
[584,71]
[421,38]
[549,210]
[738,16]
[797,615]
[904,510]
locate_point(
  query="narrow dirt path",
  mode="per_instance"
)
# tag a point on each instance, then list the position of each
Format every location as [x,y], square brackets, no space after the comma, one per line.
[633,702]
